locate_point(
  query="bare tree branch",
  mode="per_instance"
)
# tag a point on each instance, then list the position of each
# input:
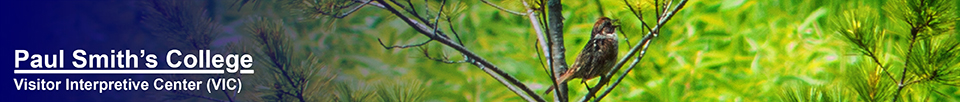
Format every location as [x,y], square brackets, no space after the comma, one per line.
[443,58]
[511,83]
[555,37]
[402,46]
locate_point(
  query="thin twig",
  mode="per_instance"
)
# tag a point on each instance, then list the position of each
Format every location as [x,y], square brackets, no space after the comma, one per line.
[656,9]
[511,83]
[455,34]
[638,14]
[503,9]
[443,58]
[877,60]
[369,2]
[351,10]
[426,53]
[413,11]
[402,46]
[540,58]
[619,29]
[542,21]
[436,20]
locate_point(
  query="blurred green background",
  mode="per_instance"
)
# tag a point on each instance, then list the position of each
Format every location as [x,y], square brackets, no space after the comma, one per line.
[713,50]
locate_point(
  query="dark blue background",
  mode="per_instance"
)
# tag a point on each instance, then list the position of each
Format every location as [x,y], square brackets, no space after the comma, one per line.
[44,27]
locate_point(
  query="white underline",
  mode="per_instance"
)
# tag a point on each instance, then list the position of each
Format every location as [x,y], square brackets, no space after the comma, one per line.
[114,71]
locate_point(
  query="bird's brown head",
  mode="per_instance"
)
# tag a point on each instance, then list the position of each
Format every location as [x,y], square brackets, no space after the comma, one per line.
[605,27]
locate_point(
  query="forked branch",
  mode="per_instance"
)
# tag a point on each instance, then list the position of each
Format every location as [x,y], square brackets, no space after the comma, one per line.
[430,31]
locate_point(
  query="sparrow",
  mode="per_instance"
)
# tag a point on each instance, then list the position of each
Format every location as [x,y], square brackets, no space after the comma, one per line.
[597,57]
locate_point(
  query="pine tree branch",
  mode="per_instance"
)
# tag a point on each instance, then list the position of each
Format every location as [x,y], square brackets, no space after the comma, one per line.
[877,60]
[903,74]
[919,25]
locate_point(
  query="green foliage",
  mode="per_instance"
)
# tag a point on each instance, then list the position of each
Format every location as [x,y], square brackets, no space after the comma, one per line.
[412,91]
[291,74]
[182,22]
[713,50]
[810,94]
[917,62]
